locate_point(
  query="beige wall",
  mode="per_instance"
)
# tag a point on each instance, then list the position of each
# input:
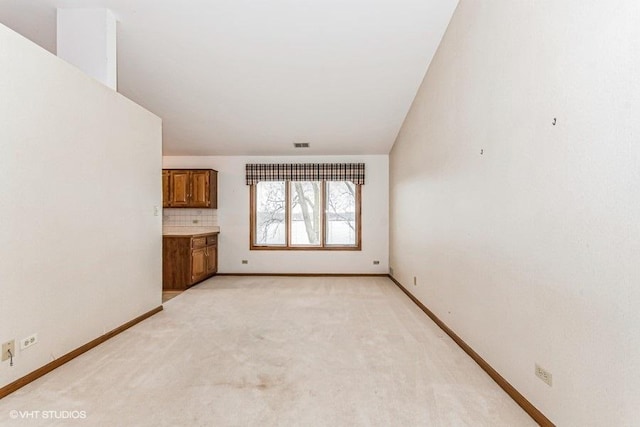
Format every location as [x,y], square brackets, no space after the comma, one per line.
[233,218]
[79,177]
[531,251]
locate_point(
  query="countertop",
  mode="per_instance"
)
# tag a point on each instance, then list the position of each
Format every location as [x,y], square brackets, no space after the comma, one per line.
[189,231]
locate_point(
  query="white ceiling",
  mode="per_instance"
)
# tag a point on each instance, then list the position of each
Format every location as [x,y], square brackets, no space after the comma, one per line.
[250,77]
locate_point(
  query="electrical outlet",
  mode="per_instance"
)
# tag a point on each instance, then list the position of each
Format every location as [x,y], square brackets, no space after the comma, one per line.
[415,281]
[376,262]
[544,375]
[245,261]
[9,345]
[28,341]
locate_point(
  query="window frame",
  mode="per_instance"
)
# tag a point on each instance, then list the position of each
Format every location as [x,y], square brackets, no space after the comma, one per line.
[323,245]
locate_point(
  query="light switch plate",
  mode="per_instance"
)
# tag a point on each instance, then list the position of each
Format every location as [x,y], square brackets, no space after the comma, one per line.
[9,345]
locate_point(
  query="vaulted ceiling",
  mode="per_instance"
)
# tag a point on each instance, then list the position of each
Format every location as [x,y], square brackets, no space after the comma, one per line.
[251,77]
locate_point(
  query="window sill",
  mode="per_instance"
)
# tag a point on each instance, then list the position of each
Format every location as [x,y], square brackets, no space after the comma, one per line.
[304,248]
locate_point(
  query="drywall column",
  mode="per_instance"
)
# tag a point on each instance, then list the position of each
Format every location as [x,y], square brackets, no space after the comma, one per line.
[72,151]
[87,39]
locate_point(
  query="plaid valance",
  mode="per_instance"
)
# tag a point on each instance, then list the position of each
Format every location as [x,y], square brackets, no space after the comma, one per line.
[353,172]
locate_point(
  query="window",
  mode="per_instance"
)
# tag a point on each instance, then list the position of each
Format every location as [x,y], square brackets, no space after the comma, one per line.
[270,215]
[311,215]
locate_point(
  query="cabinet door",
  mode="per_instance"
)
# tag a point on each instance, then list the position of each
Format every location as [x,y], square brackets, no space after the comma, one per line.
[212,259]
[180,188]
[213,191]
[200,197]
[198,263]
[165,189]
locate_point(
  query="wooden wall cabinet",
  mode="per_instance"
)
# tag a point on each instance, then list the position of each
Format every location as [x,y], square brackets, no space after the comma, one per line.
[190,188]
[187,260]
[165,188]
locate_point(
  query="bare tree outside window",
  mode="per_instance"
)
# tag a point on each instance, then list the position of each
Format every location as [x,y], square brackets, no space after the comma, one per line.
[305,213]
[271,213]
[341,213]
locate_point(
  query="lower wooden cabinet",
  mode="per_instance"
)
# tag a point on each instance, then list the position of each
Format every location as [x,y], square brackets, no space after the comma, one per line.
[211,255]
[187,260]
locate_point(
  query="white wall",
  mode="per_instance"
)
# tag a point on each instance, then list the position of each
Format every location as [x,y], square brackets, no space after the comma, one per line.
[531,251]
[79,176]
[87,39]
[233,219]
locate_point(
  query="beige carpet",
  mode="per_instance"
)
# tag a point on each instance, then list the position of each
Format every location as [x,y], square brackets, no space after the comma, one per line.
[275,351]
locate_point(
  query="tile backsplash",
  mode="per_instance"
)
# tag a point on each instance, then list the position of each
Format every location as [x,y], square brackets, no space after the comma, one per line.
[189,217]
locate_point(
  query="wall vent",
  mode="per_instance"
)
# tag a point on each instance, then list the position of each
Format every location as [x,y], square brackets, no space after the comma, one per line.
[301,145]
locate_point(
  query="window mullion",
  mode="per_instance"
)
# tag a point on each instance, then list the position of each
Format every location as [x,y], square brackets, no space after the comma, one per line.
[358,202]
[252,218]
[323,215]
[287,219]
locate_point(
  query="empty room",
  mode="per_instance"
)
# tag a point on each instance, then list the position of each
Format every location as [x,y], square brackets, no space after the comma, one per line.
[319,213]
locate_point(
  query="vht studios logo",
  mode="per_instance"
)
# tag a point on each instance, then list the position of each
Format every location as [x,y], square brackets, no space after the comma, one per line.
[48,415]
